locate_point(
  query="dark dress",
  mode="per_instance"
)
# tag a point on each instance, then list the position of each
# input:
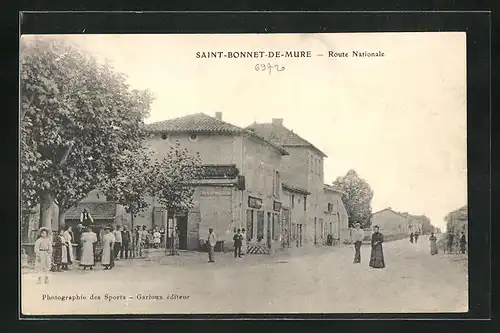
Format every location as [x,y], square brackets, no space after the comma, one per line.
[377,255]
[57,254]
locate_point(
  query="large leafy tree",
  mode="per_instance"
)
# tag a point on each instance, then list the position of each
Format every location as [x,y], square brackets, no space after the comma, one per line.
[177,174]
[357,198]
[77,117]
[136,180]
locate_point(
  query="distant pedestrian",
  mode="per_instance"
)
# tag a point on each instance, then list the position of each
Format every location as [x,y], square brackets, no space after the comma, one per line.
[433,240]
[65,260]
[377,255]
[416,237]
[463,243]
[211,242]
[88,239]
[411,237]
[43,253]
[156,238]
[238,240]
[162,236]
[357,236]
[108,242]
[243,242]
[118,242]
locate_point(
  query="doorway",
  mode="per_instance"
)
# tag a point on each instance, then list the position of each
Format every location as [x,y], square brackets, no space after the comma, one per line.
[182,225]
[299,238]
[269,229]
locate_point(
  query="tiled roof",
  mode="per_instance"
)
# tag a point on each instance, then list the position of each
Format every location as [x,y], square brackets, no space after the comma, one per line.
[333,189]
[281,136]
[296,189]
[98,210]
[195,123]
[202,123]
[389,209]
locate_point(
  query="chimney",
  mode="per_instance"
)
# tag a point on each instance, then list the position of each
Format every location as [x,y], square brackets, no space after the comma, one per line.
[218,115]
[278,121]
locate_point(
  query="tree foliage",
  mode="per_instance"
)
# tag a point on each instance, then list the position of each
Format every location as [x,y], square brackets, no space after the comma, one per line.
[136,180]
[177,173]
[77,117]
[357,198]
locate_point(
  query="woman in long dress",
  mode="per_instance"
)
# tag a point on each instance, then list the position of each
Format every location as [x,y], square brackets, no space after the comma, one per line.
[108,243]
[69,238]
[43,252]
[433,240]
[156,238]
[57,258]
[88,240]
[64,251]
[377,255]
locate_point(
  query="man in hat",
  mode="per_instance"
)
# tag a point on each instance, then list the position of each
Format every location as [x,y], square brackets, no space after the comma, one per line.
[85,218]
[211,242]
[357,236]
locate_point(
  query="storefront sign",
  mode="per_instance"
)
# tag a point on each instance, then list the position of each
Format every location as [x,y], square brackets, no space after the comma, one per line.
[254,203]
[276,206]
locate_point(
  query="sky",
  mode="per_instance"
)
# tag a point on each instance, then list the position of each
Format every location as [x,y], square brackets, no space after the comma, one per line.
[398,120]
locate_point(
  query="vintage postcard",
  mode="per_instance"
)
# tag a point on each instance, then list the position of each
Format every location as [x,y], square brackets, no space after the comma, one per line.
[243,173]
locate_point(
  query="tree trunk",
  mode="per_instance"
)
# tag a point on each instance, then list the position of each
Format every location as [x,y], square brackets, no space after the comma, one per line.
[25,225]
[46,201]
[133,233]
[61,218]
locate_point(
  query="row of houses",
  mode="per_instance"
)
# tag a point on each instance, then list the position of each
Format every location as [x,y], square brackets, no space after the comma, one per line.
[264,178]
[396,223]
[457,221]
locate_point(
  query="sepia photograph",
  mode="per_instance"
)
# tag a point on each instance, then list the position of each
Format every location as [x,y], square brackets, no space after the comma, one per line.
[243,173]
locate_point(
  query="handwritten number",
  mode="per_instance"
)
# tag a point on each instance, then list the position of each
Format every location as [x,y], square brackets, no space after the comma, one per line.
[268,67]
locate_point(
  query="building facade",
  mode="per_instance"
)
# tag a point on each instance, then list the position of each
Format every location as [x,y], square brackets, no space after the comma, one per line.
[392,222]
[304,167]
[458,221]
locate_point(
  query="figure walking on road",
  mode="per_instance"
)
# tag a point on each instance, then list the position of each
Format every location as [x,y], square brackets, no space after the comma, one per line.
[463,243]
[434,248]
[357,236]
[416,237]
[377,255]
[211,242]
[411,237]
[238,240]
[43,252]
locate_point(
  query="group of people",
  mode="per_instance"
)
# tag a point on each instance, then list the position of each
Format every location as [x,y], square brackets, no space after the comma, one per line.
[414,236]
[377,252]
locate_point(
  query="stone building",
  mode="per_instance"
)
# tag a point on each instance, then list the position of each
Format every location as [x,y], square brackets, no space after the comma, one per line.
[391,222]
[458,221]
[304,168]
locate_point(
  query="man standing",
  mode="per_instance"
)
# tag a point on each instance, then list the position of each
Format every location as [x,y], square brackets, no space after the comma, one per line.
[238,240]
[86,219]
[463,243]
[78,240]
[357,236]
[118,242]
[125,242]
[211,242]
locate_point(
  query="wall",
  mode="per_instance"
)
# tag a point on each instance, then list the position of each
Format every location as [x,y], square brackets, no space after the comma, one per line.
[260,162]
[338,216]
[294,167]
[389,222]
[213,149]
[295,203]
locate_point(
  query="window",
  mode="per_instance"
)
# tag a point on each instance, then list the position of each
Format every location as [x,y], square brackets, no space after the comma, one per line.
[249,231]
[305,204]
[276,227]
[193,137]
[293,201]
[330,207]
[276,184]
